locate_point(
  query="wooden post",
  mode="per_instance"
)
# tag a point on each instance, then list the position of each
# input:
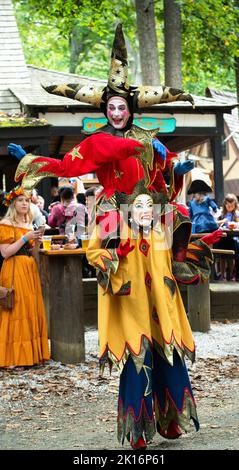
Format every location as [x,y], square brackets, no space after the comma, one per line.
[217,152]
[66,308]
[199,307]
[44,275]
[44,187]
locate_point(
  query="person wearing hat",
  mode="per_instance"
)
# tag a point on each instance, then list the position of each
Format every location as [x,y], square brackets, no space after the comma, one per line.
[201,205]
[200,208]
[121,153]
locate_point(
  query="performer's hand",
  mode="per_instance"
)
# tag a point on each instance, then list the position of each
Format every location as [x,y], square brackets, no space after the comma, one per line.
[124,249]
[160,148]
[183,168]
[16,150]
[213,237]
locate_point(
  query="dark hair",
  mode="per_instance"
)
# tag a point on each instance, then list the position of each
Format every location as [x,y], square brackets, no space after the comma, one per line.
[81,199]
[90,191]
[66,192]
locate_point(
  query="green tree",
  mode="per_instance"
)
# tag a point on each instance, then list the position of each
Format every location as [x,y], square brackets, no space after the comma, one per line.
[82,30]
[76,35]
[210,43]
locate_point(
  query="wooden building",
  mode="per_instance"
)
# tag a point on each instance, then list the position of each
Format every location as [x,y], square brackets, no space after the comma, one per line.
[230,146]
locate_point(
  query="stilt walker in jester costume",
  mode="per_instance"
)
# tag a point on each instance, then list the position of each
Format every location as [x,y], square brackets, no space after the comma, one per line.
[143,326]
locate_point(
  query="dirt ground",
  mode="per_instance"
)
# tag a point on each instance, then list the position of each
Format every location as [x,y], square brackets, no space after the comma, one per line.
[68,407]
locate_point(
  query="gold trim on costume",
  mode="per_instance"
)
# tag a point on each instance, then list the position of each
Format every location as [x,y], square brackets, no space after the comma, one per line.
[147,157]
[129,427]
[76,154]
[166,352]
[182,417]
[28,165]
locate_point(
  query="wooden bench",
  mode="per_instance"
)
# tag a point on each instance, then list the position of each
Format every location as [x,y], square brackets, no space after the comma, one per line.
[224,300]
[199,301]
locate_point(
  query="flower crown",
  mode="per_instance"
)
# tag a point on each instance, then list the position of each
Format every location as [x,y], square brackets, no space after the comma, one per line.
[9,197]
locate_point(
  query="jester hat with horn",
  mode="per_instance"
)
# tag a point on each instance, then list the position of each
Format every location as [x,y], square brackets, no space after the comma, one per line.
[32,169]
[138,97]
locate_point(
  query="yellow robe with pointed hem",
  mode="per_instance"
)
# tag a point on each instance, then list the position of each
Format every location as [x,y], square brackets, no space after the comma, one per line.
[23,330]
[152,308]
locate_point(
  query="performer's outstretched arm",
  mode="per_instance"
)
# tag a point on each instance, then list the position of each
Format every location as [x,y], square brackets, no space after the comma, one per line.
[86,157]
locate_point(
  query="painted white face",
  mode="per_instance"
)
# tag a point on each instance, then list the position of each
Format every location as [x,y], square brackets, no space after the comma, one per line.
[118,112]
[142,210]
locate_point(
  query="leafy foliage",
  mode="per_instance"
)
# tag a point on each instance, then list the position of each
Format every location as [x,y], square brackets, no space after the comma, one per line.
[77,35]
[47,29]
[210,43]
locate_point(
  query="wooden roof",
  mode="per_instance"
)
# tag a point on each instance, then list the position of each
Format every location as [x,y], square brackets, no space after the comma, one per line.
[232,120]
[13,69]
[37,97]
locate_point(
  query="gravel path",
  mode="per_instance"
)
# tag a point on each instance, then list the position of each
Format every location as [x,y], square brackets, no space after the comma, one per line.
[68,407]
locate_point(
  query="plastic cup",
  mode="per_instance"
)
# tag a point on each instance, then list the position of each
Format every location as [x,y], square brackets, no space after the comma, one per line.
[46,241]
[84,242]
[70,232]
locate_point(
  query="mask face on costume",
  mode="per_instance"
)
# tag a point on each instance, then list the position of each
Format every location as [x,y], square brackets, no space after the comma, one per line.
[142,210]
[118,112]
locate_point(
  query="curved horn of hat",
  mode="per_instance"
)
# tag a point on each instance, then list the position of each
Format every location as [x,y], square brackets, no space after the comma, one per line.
[149,95]
[84,92]
[118,73]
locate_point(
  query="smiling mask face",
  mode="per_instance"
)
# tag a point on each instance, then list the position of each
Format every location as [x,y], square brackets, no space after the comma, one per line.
[142,210]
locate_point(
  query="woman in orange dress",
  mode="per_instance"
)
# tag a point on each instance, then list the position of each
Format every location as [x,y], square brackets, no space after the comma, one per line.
[23,330]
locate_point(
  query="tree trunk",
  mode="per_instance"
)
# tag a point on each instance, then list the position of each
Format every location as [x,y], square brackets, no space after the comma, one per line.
[134,64]
[173,44]
[148,45]
[76,44]
[237,68]
[237,77]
